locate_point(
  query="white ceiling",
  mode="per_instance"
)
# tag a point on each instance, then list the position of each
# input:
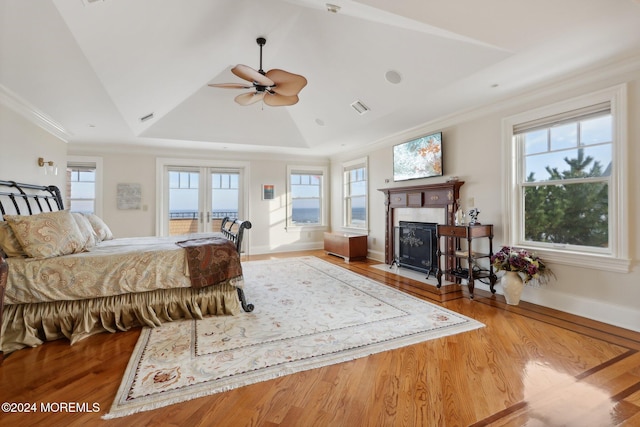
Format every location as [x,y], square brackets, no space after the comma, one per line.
[90,69]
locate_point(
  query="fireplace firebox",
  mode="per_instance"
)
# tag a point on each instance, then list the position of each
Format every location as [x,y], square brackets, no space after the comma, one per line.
[416,246]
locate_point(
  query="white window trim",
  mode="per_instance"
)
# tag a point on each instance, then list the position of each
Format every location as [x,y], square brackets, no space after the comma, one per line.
[617,260]
[98,184]
[363,161]
[324,202]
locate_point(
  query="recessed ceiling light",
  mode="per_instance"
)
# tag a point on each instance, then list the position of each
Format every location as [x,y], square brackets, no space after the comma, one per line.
[393,77]
[333,8]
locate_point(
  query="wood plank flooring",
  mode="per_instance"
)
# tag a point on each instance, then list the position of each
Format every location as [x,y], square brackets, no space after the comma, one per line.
[530,366]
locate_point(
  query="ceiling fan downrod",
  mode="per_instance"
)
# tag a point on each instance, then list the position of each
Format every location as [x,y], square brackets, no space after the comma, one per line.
[261,42]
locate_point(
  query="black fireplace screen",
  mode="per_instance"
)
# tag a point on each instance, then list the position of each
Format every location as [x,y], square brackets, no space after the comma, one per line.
[416,246]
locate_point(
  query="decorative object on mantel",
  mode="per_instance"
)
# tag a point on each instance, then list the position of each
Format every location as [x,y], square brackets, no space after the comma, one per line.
[460,218]
[520,267]
[473,214]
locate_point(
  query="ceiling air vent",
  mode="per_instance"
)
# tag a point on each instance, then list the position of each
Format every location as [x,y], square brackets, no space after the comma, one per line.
[360,107]
[147,117]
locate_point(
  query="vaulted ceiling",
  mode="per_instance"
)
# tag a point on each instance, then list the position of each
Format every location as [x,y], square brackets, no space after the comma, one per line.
[90,70]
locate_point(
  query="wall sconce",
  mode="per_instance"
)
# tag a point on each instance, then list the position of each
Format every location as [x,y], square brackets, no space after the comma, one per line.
[49,167]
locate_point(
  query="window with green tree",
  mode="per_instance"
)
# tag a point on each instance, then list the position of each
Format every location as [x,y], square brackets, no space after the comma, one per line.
[567,167]
[566,180]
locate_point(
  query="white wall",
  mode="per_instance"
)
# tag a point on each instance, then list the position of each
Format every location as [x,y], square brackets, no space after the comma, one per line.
[21,143]
[472,150]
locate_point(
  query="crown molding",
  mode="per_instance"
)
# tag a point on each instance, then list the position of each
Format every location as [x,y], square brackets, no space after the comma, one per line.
[13,101]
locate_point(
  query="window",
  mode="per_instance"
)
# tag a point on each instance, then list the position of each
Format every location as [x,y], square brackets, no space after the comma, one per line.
[567,173]
[83,185]
[355,194]
[307,195]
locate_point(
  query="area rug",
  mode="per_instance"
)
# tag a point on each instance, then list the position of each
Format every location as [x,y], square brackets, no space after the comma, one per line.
[308,313]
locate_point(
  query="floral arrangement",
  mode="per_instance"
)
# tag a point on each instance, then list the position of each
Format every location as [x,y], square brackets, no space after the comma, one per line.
[521,261]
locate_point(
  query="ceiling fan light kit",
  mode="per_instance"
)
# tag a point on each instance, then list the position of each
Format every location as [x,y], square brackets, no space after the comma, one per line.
[275,87]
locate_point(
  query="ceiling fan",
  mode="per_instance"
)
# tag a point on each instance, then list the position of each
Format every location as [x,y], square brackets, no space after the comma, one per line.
[275,87]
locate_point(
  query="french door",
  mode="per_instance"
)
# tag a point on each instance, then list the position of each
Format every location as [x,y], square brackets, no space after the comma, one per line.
[197,198]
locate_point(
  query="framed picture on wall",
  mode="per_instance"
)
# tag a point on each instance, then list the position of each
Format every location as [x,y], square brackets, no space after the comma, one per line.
[418,158]
[268,192]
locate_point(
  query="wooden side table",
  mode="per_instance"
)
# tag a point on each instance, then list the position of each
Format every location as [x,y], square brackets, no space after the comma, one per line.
[455,253]
[348,246]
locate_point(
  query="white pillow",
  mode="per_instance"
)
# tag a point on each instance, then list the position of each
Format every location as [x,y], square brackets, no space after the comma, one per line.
[101,229]
[88,234]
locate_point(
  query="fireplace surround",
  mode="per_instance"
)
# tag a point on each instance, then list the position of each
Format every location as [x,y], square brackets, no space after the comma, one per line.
[439,196]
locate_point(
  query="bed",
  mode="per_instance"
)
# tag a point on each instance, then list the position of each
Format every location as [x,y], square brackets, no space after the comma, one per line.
[68,277]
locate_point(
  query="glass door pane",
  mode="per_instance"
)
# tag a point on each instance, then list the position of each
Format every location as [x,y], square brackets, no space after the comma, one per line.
[184,201]
[224,197]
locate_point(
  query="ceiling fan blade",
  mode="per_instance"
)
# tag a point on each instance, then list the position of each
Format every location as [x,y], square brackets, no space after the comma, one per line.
[249,74]
[249,98]
[231,85]
[287,84]
[277,100]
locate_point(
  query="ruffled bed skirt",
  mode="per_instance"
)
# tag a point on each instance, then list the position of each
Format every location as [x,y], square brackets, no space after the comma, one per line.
[29,325]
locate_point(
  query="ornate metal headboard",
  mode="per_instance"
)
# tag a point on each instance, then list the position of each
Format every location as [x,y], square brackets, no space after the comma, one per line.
[29,199]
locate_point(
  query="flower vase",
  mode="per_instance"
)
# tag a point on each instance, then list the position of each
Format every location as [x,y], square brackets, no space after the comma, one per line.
[512,286]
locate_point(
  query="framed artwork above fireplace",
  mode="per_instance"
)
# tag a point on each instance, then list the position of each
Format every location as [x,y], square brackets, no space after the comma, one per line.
[418,158]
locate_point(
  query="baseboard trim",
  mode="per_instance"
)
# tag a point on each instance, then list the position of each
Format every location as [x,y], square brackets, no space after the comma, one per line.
[623,317]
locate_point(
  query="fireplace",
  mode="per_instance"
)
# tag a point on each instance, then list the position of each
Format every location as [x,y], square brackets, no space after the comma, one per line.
[416,245]
[399,200]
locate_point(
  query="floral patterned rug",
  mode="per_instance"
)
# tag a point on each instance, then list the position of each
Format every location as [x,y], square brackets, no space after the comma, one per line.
[308,313]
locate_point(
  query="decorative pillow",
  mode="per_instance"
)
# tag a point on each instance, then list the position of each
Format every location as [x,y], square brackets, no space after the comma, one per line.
[86,230]
[47,234]
[103,232]
[8,241]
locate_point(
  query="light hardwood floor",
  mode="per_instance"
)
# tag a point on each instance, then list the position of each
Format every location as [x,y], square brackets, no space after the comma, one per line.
[530,366]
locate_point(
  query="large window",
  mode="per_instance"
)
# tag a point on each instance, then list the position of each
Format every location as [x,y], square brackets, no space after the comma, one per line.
[354,192]
[567,175]
[83,185]
[307,195]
